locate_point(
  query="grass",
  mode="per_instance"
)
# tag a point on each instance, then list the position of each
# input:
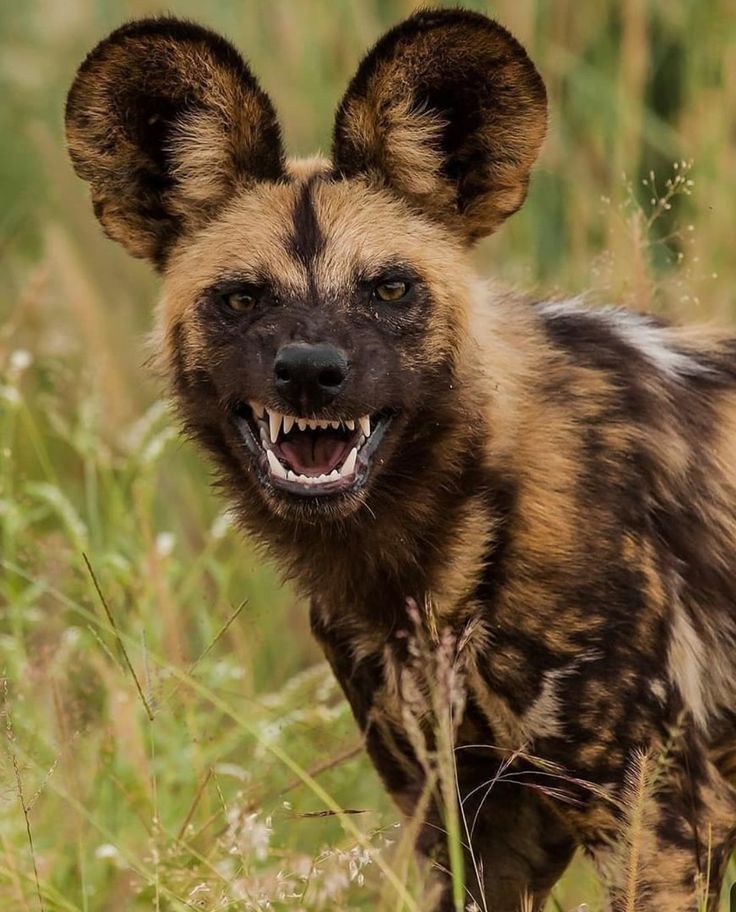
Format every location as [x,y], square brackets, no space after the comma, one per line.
[186,747]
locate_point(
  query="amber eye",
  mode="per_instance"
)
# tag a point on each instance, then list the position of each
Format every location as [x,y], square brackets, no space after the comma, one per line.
[391,291]
[242,299]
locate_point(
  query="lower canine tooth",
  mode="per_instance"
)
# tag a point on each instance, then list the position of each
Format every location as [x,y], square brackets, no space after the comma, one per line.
[274,465]
[365,425]
[348,467]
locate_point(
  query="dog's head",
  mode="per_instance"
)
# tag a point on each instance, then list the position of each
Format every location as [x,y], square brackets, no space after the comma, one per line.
[313,312]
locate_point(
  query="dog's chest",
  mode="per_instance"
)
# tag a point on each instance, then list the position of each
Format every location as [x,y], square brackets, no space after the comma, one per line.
[419,677]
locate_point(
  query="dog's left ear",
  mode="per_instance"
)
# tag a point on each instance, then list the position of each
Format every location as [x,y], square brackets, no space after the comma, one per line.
[449,112]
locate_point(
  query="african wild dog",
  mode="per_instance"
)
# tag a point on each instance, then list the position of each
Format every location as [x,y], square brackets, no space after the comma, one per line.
[555,484]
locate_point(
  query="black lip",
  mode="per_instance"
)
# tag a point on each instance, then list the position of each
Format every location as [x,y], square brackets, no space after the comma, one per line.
[244,426]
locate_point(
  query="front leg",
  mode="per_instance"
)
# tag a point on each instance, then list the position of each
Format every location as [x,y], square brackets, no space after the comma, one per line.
[516,844]
[519,844]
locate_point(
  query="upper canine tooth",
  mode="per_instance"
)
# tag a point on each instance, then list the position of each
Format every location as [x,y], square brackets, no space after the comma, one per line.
[288,423]
[274,423]
[274,465]
[348,467]
[350,424]
[365,425]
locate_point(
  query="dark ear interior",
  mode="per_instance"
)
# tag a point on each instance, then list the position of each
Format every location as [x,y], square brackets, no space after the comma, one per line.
[448,110]
[164,120]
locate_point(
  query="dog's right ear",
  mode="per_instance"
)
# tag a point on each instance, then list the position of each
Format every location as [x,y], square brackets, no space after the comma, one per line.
[165,120]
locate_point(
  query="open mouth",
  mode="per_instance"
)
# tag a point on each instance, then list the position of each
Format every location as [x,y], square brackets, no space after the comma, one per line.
[311,456]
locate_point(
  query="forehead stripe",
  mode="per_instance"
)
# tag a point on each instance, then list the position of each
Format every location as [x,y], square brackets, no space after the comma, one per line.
[306,240]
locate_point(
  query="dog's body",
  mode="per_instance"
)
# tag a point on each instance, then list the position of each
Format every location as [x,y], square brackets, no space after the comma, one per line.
[553,485]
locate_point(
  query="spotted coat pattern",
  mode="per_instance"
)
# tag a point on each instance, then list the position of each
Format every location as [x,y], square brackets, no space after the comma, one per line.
[553,503]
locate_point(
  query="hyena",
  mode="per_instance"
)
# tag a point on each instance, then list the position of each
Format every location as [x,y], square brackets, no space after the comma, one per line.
[553,484]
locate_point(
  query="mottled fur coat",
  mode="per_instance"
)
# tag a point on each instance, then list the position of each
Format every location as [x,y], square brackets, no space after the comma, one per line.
[553,485]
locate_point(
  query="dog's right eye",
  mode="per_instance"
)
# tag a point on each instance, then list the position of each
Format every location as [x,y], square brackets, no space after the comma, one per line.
[241,299]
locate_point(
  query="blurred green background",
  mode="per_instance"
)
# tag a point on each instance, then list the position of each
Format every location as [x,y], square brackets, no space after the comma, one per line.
[204,807]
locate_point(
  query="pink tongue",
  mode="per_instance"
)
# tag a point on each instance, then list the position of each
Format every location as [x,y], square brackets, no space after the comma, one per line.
[313,454]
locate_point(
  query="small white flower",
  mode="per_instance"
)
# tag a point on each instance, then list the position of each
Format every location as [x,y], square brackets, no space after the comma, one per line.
[248,835]
[20,360]
[106,850]
[10,394]
[165,542]
[70,637]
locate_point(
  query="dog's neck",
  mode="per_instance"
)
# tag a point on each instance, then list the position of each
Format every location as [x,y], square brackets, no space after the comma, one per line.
[423,533]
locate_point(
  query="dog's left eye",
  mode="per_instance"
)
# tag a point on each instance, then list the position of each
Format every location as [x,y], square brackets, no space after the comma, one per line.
[391,291]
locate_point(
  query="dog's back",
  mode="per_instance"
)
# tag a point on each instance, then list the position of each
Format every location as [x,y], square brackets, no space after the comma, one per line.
[621,433]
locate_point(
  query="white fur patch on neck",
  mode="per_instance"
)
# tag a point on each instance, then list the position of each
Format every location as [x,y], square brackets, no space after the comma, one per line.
[636,330]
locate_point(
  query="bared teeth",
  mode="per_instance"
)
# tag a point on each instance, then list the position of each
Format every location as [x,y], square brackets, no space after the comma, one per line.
[274,465]
[274,425]
[277,419]
[348,467]
[269,425]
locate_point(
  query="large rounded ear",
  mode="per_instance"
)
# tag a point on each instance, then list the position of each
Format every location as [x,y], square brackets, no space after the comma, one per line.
[447,110]
[165,120]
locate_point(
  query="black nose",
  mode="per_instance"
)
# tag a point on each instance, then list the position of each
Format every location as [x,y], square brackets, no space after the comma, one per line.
[309,376]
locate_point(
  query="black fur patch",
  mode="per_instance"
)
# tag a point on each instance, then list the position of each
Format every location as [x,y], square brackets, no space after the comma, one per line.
[306,241]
